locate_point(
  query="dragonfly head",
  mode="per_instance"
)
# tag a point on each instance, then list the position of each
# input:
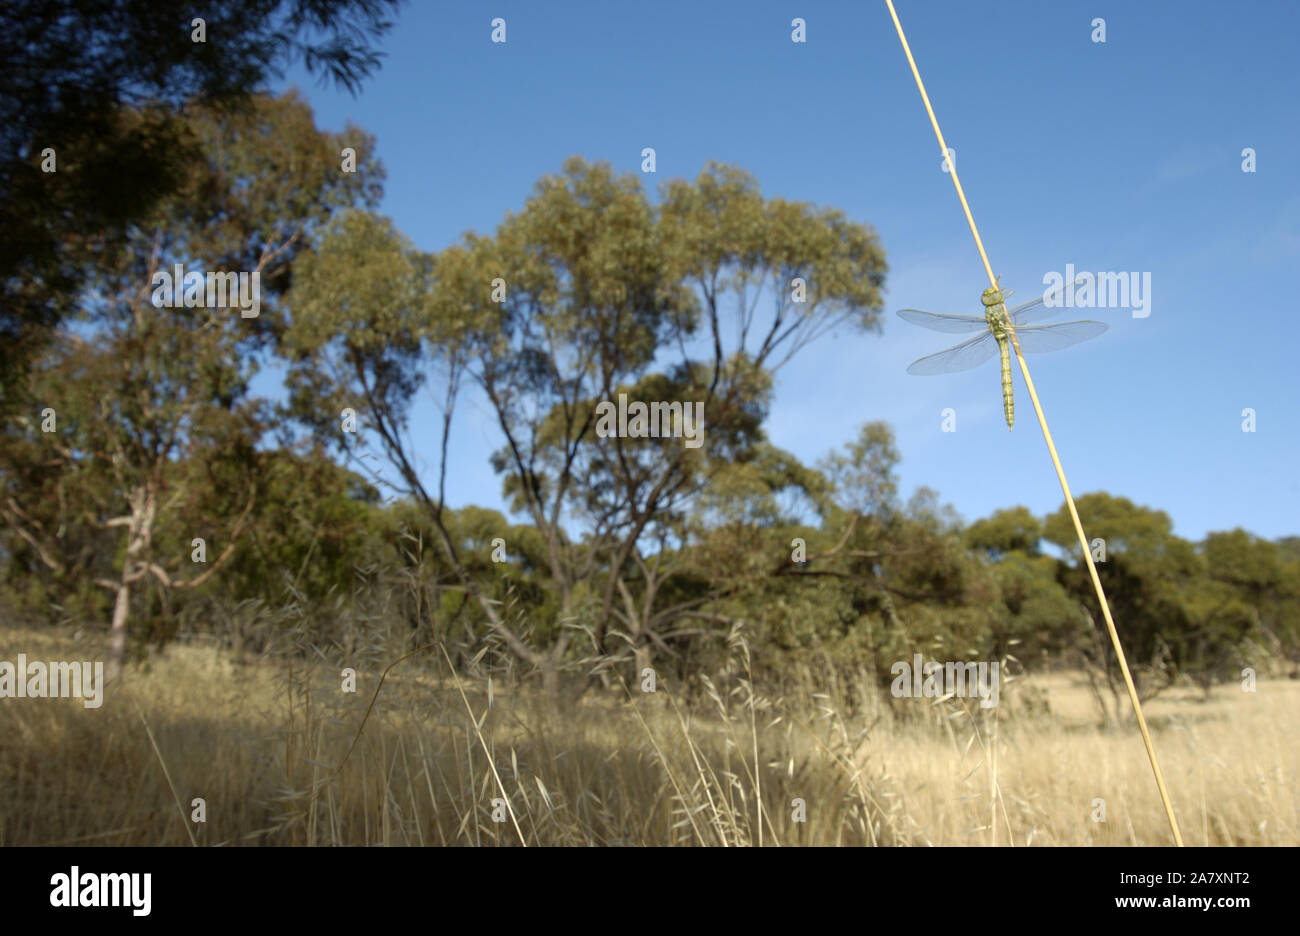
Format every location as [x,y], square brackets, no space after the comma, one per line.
[995,297]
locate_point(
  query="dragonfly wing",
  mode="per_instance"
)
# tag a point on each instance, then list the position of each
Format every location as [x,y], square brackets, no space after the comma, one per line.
[943,321]
[1035,339]
[964,356]
[1050,303]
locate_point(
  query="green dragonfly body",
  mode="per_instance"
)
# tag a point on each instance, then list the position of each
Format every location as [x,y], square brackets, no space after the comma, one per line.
[998,329]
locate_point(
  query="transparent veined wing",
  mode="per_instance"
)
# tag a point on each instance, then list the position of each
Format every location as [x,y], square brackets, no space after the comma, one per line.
[1050,303]
[1035,339]
[964,356]
[944,321]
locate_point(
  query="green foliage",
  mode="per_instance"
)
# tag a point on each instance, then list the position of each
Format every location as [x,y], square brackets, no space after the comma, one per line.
[1012,529]
[106,85]
[1169,606]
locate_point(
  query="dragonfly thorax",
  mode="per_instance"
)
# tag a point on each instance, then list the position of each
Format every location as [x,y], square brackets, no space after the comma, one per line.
[995,310]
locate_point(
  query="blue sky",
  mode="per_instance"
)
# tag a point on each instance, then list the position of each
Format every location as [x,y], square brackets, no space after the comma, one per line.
[1122,156]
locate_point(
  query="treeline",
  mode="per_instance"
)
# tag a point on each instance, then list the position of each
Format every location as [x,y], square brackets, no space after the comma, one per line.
[146,489]
[854,590]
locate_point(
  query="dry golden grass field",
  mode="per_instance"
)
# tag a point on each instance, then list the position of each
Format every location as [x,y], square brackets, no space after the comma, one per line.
[262,742]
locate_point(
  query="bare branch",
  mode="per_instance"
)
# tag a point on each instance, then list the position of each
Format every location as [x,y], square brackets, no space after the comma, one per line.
[226,554]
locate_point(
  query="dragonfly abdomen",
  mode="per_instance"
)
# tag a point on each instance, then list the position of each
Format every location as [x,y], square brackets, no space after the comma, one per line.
[1008,396]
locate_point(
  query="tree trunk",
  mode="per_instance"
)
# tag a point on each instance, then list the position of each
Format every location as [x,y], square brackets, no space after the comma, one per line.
[642,660]
[117,633]
[550,679]
[144,507]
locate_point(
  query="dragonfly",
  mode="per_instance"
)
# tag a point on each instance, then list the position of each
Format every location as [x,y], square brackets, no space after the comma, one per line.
[996,326]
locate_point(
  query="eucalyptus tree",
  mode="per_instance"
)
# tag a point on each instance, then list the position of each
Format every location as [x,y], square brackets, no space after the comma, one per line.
[142,405]
[699,300]
[590,293]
